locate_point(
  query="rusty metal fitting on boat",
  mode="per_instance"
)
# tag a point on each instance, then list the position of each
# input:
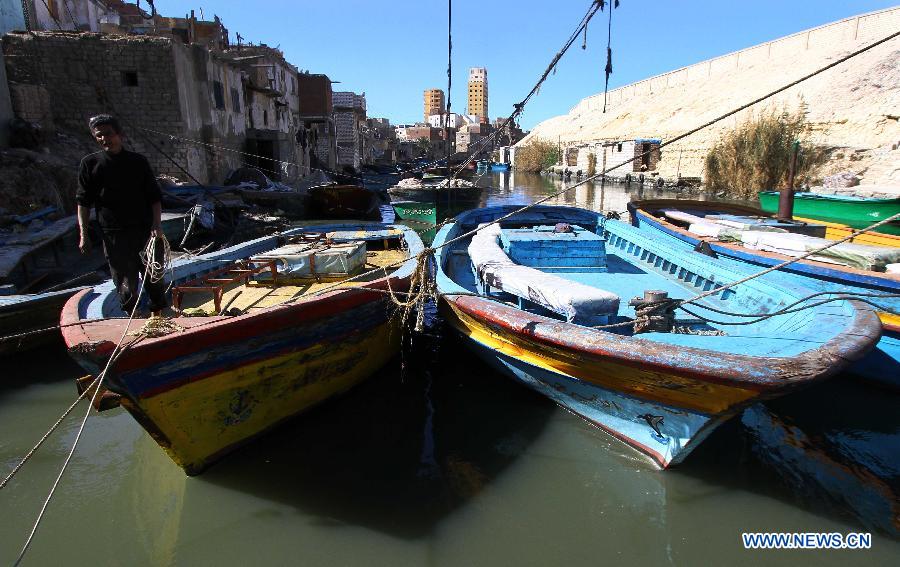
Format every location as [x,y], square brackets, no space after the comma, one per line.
[655,312]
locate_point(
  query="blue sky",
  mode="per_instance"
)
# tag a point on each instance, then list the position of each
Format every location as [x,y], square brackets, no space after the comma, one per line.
[394,50]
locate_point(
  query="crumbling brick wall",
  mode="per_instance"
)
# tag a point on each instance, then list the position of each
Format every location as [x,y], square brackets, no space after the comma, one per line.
[32,103]
[84,74]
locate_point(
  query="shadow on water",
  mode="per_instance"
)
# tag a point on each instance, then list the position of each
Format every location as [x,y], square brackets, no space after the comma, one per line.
[43,365]
[832,450]
[399,452]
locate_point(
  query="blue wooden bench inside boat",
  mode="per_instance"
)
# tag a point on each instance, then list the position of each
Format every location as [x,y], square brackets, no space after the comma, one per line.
[555,248]
[542,251]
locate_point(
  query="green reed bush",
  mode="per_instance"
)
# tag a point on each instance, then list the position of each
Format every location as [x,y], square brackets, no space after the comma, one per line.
[756,155]
[536,155]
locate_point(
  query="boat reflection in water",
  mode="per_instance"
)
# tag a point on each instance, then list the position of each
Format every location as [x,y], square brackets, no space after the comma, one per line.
[837,448]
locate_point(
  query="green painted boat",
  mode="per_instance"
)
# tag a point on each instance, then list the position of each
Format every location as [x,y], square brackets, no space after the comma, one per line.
[432,205]
[857,212]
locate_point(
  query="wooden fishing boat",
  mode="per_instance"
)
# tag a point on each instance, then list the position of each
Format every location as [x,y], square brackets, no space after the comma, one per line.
[344,202]
[499,166]
[536,297]
[440,173]
[857,212]
[837,231]
[820,275]
[261,337]
[39,271]
[433,204]
[29,313]
[294,204]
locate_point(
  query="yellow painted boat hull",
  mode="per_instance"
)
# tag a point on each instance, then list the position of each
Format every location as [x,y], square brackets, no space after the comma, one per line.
[202,420]
[837,231]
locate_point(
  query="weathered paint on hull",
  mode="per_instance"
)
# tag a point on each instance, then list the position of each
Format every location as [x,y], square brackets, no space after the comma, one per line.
[200,421]
[678,431]
[882,364]
[201,406]
[595,390]
[431,212]
[416,211]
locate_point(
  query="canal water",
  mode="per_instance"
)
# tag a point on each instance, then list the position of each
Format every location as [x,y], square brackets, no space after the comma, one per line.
[438,460]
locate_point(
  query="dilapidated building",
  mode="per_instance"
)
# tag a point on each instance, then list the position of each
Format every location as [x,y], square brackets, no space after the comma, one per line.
[638,155]
[181,105]
[317,115]
[274,131]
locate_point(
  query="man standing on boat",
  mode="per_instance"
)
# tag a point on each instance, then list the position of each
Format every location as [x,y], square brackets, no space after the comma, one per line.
[120,185]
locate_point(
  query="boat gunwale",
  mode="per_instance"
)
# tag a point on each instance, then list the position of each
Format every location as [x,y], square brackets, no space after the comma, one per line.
[804,267]
[75,333]
[845,199]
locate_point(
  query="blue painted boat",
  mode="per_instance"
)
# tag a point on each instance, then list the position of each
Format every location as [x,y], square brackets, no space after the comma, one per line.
[499,166]
[881,366]
[535,300]
[21,314]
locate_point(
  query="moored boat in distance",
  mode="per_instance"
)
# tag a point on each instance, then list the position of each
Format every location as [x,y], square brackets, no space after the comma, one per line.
[749,246]
[544,298]
[432,203]
[263,334]
[857,212]
[344,202]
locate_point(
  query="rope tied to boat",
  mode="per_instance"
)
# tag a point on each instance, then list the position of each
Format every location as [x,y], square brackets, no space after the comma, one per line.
[157,326]
[422,288]
[154,267]
[653,315]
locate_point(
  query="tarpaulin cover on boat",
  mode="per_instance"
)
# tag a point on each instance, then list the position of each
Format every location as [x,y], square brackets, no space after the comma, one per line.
[856,255]
[309,259]
[578,303]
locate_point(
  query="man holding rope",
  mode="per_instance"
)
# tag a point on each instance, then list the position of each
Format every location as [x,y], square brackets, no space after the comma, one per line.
[120,185]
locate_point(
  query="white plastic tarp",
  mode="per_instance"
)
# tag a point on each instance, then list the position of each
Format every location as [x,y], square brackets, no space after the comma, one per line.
[859,256]
[299,260]
[578,303]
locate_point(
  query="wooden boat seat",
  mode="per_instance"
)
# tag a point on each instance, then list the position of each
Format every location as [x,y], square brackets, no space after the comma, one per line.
[217,281]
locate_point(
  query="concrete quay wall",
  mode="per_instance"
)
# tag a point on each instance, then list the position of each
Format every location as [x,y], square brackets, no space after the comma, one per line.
[852,107]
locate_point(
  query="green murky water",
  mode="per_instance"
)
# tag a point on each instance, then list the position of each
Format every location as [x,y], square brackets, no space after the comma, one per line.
[438,460]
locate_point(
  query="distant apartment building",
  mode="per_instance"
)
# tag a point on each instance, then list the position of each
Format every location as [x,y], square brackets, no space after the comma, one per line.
[433,102]
[478,93]
[418,132]
[349,122]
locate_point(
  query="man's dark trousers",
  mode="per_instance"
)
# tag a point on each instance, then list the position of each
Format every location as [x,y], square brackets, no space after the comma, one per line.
[123,249]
